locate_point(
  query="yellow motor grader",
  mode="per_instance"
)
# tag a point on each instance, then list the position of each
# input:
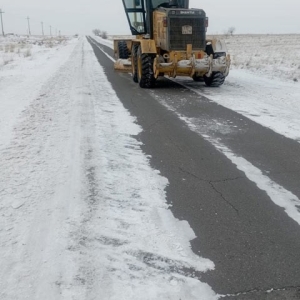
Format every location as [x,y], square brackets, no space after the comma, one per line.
[170,40]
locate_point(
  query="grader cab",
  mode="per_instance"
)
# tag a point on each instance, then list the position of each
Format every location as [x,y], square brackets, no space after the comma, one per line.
[170,40]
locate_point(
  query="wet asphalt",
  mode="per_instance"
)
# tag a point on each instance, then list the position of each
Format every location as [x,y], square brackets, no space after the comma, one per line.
[253,243]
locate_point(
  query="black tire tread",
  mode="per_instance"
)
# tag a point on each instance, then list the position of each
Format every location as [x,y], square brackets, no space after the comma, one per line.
[134,61]
[216,79]
[147,79]
[197,78]
[123,50]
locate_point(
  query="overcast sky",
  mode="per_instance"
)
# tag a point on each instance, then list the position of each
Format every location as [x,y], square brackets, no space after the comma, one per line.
[81,16]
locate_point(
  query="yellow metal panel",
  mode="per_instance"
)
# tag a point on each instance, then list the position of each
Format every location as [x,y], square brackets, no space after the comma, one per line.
[148,46]
[189,48]
[159,31]
[116,51]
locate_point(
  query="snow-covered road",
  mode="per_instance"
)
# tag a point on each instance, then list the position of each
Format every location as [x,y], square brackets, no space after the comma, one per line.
[272,103]
[74,224]
[262,97]
[232,178]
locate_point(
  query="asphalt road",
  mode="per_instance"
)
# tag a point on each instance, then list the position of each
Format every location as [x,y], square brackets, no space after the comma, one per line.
[254,244]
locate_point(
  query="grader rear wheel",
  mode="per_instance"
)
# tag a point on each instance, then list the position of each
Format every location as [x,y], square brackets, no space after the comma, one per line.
[123,50]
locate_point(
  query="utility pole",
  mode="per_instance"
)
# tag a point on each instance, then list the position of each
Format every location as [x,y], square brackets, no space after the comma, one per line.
[42,28]
[2,12]
[28,26]
[50,31]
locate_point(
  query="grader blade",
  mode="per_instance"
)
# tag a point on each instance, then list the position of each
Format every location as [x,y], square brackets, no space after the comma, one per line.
[123,65]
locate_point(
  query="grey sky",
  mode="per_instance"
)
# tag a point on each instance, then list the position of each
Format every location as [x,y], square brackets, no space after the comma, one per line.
[78,16]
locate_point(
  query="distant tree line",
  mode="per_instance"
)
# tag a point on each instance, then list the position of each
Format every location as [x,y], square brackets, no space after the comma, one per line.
[100,33]
[231,30]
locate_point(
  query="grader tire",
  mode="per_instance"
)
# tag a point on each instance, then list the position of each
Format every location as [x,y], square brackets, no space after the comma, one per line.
[146,77]
[216,79]
[134,62]
[197,78]
[123,50]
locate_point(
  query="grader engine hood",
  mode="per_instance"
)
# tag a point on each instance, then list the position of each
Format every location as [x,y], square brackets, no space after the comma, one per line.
[175,28]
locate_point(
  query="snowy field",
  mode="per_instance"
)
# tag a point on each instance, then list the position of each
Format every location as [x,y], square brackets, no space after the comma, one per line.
[70,227]
[272,56]
[16,48]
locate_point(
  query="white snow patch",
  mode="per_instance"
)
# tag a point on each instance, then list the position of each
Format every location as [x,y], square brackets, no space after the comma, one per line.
[106,42]
[100,48]
[272,103]
[23,77]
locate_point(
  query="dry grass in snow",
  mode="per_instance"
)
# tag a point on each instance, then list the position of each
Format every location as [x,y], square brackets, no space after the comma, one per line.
[274,56]
[14,48]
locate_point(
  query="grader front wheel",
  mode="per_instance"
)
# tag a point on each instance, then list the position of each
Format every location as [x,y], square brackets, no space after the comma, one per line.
[134,62]
[216,79]
[145,72]
[197,78]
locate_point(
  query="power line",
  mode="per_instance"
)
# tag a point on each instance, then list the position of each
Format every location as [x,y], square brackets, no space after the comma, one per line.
[2,12]
[31,22]
[28,26]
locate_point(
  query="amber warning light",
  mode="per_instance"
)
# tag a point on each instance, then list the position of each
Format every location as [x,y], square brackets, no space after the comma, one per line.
[165,22]
[206,22]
